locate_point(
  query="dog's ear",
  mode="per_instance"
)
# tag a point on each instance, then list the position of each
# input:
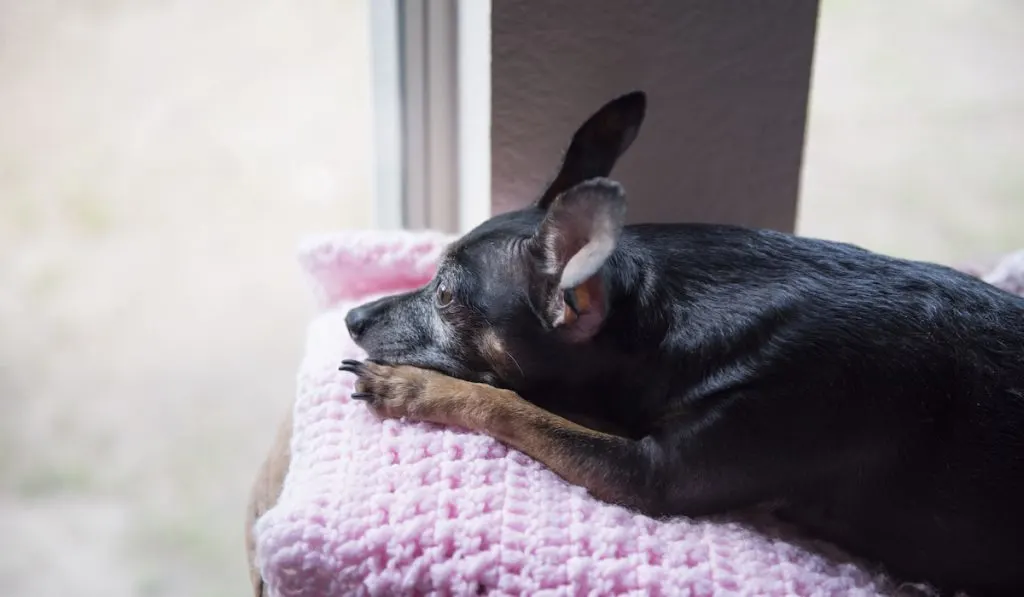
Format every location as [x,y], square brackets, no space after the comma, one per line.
[578,234]
[580,230]
[598,144]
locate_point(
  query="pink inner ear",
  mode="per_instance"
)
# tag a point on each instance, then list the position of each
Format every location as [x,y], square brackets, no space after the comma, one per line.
[581,229]
[589,321]
[587,261]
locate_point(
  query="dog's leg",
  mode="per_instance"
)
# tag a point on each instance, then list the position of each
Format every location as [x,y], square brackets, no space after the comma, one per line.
[612,468]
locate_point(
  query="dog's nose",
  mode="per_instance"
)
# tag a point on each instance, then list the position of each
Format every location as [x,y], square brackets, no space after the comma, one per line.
[362,318]
[357,321]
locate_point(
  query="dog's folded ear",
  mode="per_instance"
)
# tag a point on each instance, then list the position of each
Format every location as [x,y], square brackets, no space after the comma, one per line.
[580,230]
[598,144]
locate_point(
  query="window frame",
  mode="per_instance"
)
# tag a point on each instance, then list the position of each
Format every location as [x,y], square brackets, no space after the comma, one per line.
[431,93]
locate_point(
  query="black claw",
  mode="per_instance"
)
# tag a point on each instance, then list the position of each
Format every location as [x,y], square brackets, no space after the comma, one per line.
[351,366]
[365,396]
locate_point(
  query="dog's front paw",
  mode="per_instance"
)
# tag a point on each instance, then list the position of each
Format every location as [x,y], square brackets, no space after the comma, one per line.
[391,392]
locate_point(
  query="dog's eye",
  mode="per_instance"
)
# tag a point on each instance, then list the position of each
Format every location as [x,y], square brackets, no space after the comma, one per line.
[444,296]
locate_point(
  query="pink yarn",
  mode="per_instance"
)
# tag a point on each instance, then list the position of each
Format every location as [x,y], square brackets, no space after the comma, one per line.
[394,508]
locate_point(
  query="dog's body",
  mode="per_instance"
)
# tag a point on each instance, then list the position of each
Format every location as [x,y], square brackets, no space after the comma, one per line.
[876,402]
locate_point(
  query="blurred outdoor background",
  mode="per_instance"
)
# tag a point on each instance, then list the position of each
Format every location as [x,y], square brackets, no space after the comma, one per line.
[159,159]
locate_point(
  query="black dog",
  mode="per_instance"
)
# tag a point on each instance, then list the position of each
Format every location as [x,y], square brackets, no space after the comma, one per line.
[698,369]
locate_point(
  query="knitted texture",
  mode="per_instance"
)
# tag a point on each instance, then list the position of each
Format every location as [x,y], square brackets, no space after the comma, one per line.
[398,508]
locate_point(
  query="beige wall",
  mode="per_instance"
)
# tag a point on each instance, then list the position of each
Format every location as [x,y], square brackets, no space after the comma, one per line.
[727,84]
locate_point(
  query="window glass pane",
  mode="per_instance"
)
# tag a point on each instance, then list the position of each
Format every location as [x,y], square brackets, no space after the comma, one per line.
[159,162]
[916,128]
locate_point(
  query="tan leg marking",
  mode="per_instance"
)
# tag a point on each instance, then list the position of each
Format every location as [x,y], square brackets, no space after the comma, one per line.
[579,455]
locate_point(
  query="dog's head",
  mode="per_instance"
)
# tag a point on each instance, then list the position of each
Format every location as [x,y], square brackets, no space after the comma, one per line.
[515,298]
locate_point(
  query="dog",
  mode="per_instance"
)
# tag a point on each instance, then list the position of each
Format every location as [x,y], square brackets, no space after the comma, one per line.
[697,369]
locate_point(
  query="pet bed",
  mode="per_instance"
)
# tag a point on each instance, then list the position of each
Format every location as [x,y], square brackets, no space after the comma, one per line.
[393,508]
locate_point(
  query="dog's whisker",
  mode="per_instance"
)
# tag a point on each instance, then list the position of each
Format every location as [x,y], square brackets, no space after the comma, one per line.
[509,355]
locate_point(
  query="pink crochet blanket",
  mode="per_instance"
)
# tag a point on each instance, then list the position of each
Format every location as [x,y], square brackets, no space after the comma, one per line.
[393,508]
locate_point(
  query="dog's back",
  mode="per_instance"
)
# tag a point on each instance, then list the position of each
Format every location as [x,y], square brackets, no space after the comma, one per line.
[907,377]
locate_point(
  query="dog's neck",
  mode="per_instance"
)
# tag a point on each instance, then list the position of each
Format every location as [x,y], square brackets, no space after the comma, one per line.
[623,358]
[638,317]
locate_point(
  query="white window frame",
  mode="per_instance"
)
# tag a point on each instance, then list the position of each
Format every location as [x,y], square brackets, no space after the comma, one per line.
[432,113]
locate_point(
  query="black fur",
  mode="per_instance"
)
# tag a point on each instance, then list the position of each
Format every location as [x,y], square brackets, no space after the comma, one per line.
[877,402]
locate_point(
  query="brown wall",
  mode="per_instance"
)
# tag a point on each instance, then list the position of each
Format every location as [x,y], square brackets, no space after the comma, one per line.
[727,84]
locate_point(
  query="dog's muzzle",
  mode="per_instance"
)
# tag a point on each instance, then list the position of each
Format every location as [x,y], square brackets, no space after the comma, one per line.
[362,317]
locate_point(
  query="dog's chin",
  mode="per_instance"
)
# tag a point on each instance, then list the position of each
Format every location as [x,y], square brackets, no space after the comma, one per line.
[390,359]
[389,355]
[450,369]
[445,366]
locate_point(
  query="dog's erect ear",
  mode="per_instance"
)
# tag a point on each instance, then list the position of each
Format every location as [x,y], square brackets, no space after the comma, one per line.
[581,229]
[598,144]
[578,234]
